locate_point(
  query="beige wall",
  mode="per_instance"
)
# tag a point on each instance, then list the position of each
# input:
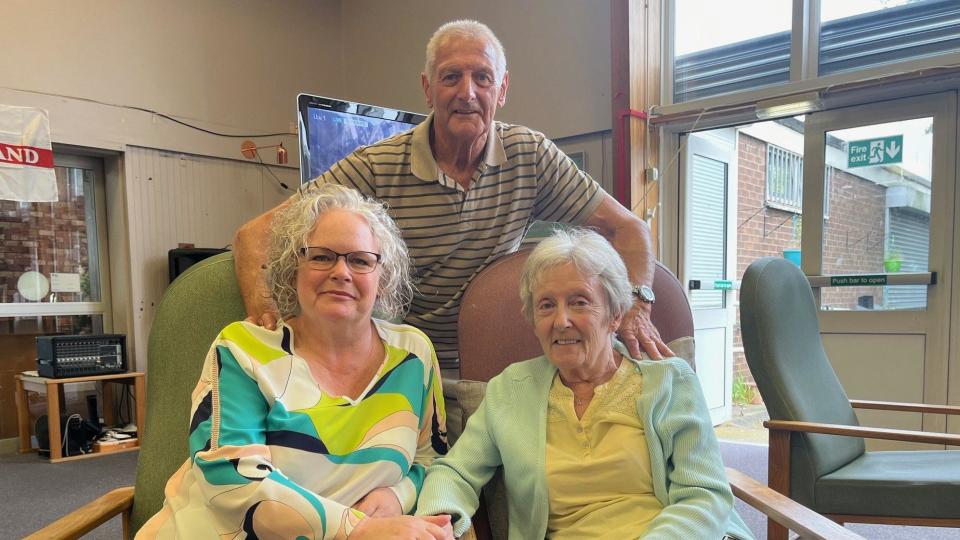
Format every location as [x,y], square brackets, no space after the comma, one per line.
[236,66]
[558,55]
[229,65]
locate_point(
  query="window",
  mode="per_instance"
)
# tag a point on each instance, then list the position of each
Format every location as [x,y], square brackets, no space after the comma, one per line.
[784,179]
[854,36]
[881,223]
[52,258]
[739,45]
[720,50]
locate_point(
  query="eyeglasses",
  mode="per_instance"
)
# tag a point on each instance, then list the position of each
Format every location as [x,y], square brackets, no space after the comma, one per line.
[321,258]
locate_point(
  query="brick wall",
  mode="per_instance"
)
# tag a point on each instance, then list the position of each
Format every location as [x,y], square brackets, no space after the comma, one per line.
[855,225]
[46,237]
[854,237]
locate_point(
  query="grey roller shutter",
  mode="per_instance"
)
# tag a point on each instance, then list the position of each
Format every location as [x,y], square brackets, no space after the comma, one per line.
[707,250]
[910,230]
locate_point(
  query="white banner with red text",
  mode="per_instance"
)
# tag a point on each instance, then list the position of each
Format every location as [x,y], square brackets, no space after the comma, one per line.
[26,157]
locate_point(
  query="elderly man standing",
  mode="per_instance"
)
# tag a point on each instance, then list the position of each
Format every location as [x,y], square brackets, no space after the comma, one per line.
[464,189]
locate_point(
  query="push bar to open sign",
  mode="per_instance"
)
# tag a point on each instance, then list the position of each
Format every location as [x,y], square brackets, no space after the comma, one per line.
[872,280]
[848,280]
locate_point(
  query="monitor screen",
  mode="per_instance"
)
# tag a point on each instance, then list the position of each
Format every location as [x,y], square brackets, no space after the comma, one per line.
[332,128]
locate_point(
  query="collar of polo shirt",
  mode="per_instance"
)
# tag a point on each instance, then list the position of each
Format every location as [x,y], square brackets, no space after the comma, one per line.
[424,167]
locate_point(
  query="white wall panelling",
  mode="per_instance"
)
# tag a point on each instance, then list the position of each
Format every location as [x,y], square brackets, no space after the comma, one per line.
[174,198]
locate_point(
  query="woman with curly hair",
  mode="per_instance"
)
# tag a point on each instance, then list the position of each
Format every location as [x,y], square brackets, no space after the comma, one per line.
[320,428]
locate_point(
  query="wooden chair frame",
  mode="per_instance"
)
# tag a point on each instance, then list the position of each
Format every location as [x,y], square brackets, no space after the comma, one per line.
[779,456]
[90,516]
[786,512]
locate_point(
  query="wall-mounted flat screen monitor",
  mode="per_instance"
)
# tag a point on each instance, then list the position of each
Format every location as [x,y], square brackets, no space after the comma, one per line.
[332,128]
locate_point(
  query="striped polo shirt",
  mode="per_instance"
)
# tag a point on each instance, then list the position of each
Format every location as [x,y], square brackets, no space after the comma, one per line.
[453,233]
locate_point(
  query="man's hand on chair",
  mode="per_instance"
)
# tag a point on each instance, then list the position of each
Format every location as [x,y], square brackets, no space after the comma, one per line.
[636,332]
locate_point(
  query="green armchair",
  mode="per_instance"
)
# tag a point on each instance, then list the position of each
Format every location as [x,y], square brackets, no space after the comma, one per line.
[193,310]
[817,453]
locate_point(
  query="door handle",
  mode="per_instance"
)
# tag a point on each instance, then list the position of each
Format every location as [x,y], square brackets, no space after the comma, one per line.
[713,284]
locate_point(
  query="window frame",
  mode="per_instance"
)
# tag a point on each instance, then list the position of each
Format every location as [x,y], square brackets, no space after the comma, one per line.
[103,306]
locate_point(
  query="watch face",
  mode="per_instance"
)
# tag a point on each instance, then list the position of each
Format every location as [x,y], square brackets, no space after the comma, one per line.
[645,293]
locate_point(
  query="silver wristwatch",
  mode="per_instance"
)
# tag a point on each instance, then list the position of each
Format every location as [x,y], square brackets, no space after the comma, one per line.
[644,294]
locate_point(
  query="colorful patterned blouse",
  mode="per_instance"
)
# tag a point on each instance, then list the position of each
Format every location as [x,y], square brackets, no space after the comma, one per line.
[273,455]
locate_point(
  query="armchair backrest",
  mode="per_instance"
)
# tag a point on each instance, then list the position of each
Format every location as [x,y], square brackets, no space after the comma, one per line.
[781,340]
[493,334]
[195,307]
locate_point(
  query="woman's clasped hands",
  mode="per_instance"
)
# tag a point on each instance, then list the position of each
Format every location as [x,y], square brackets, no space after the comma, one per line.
[404,528]
[385,519]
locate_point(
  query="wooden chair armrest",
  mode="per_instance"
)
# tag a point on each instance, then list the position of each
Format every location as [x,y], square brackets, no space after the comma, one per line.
[786,511]
[88,517]
[907,407]
[867,432]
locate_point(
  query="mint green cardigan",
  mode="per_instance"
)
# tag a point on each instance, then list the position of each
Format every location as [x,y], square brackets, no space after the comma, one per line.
[509,429]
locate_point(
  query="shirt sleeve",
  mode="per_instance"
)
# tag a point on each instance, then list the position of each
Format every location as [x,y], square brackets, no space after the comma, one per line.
[232,463]
[431,442]
[353,171]
[699,496]
[454,481]
[565,194]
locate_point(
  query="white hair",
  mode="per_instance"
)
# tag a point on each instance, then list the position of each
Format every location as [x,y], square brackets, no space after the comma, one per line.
[468,29]
[591,254]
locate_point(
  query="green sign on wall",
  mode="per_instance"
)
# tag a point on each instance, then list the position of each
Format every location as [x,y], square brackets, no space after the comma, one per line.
[879,151]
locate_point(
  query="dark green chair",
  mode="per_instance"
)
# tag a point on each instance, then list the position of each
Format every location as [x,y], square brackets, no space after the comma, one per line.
[192,311]
[817,452]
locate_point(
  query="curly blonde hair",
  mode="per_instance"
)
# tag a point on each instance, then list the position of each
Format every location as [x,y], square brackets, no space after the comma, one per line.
[292,226]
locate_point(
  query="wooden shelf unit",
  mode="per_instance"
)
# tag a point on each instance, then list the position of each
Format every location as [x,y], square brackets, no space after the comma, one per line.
[53,388]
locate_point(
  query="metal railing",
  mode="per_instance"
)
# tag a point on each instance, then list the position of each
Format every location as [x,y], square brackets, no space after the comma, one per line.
[784,179]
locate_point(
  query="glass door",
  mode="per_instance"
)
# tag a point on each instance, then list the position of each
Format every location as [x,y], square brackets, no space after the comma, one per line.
[741,199]
[877,245]
[709,205]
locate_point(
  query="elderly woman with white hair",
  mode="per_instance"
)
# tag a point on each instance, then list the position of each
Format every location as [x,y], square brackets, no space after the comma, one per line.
[323,427]
[593,443]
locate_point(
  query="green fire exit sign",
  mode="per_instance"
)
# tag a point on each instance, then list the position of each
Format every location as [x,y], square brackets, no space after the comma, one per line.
[879,151]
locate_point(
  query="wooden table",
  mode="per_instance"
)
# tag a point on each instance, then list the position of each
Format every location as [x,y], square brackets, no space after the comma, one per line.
[53,388]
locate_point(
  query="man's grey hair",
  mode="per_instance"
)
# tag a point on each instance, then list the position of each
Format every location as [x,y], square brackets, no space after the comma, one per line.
[292,226]
[469,29]
[591,254]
